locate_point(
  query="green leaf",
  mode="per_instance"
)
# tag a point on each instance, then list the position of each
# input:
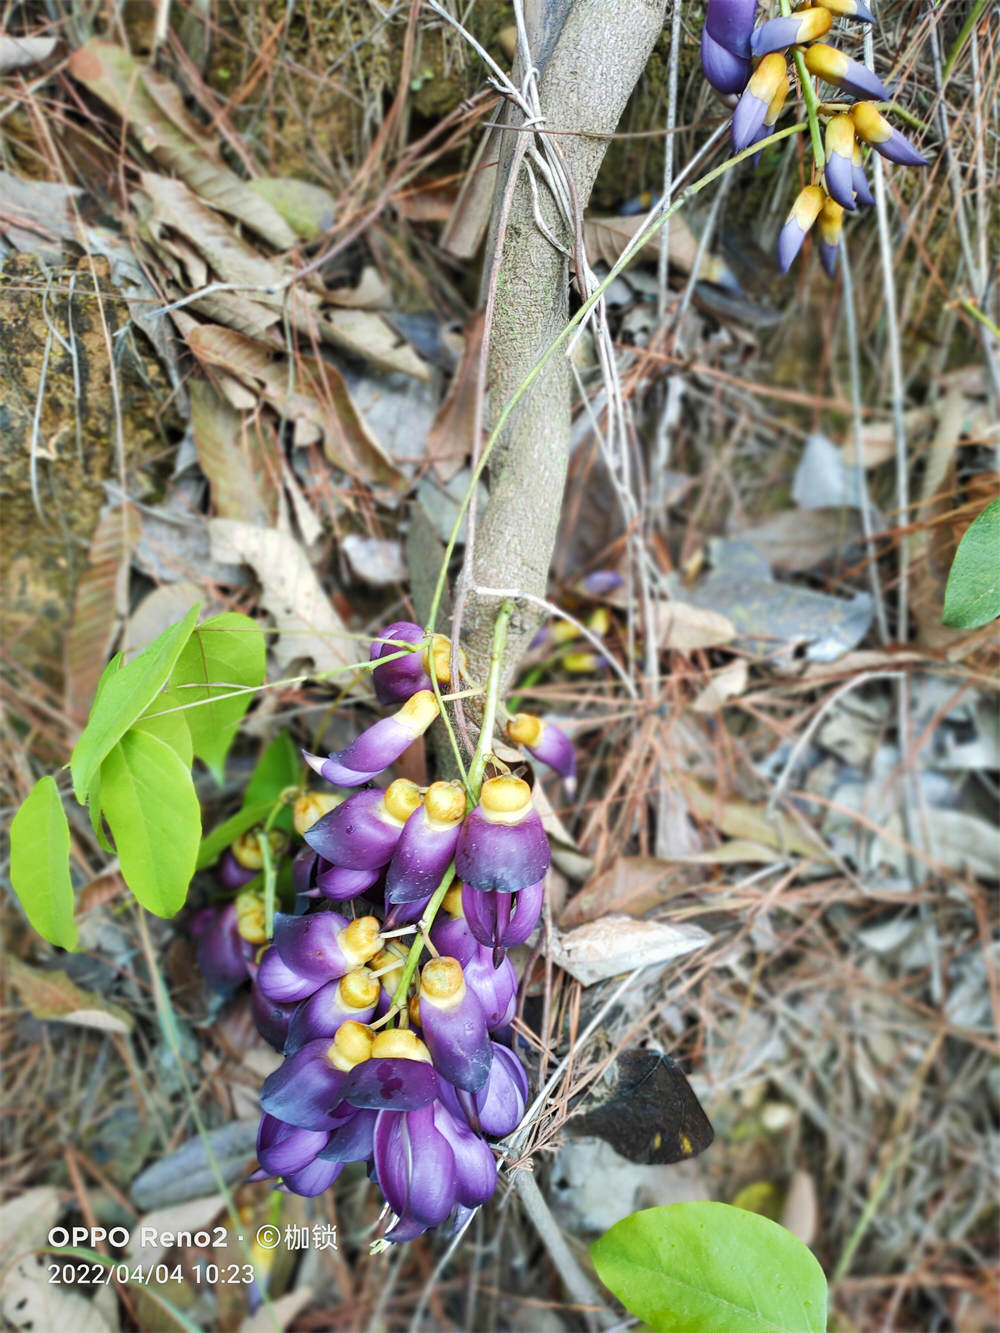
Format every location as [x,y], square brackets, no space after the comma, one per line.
[712,1268]
[224,654]
[94,810]
[149,801]
[216,842]
[39,864]
[165,720]
[972,595]
[122,696]
[278,767]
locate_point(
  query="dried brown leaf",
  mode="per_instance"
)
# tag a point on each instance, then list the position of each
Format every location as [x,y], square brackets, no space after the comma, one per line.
[365,333]
[606,238]
[450,439]
[684,627]
[100,602]
[614,944]
[239,454]
[726,684]
[110,73]
[51,995]
[745,819]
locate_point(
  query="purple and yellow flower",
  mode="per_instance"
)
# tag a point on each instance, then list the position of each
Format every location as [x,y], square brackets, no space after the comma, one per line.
[497,1108]
[503,920]
[362,833]
[313,805]
[415,1169]
[779,34]
[546,742]
[839,171]
[398,1074]
[831,222]
[454,1024]
[324,946]
[379,746]
[307,1088]
[826,62]
[282,1147]
[271,1018]
[224,956]
[426,844]
[502,845]
[804,213]
[398,680]
[871,126]
[353,996]
[750,110]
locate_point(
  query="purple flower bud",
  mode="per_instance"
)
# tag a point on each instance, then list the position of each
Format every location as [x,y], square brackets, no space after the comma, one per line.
[271,1019]
[324,946]
[499,1105]
[339,884]
[547,743]
[278,983]
[379,746]
[849,9]
[726,72]
[282,1147]
[414,1166]
[873,128]
[730,23]
[779,34]
[751,109]
[232,875]
[827,63]
[494,983]
[404,914]
[223,955]
[502,844]
[352,997]
[831,221]
[426,845]
[454,1024]
[803,214]
[316,1178]
[450,933]
[839,172]
[503,920]
[362,833]
[475,1165]
[398,1075]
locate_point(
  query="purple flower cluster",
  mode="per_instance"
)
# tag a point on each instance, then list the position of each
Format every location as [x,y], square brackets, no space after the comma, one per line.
[399,1066]
[747,62]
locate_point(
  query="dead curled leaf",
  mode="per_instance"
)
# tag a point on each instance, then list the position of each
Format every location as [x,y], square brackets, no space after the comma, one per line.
[240,456]
[684,627]
[450,439]
[51,995]
[614,944]
[99,604]
[606,238]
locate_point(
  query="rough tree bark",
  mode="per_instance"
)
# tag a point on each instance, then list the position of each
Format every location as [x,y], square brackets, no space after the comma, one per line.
[587,77]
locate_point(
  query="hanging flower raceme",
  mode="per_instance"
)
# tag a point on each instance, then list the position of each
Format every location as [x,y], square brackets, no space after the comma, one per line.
[873,128]
[831,65]
[804,213]
[502,845]
[546,742]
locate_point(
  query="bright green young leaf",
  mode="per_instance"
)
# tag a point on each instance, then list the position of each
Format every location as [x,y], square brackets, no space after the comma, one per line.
[216,842]
[165,718]
[39,864]
[224,654]
[972,596]
[124,695]
[94,810]
[149,801]
[278,767]
[712,1268]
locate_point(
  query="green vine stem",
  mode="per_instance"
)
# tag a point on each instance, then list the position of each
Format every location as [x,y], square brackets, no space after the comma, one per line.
[809,96]
[483,745]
